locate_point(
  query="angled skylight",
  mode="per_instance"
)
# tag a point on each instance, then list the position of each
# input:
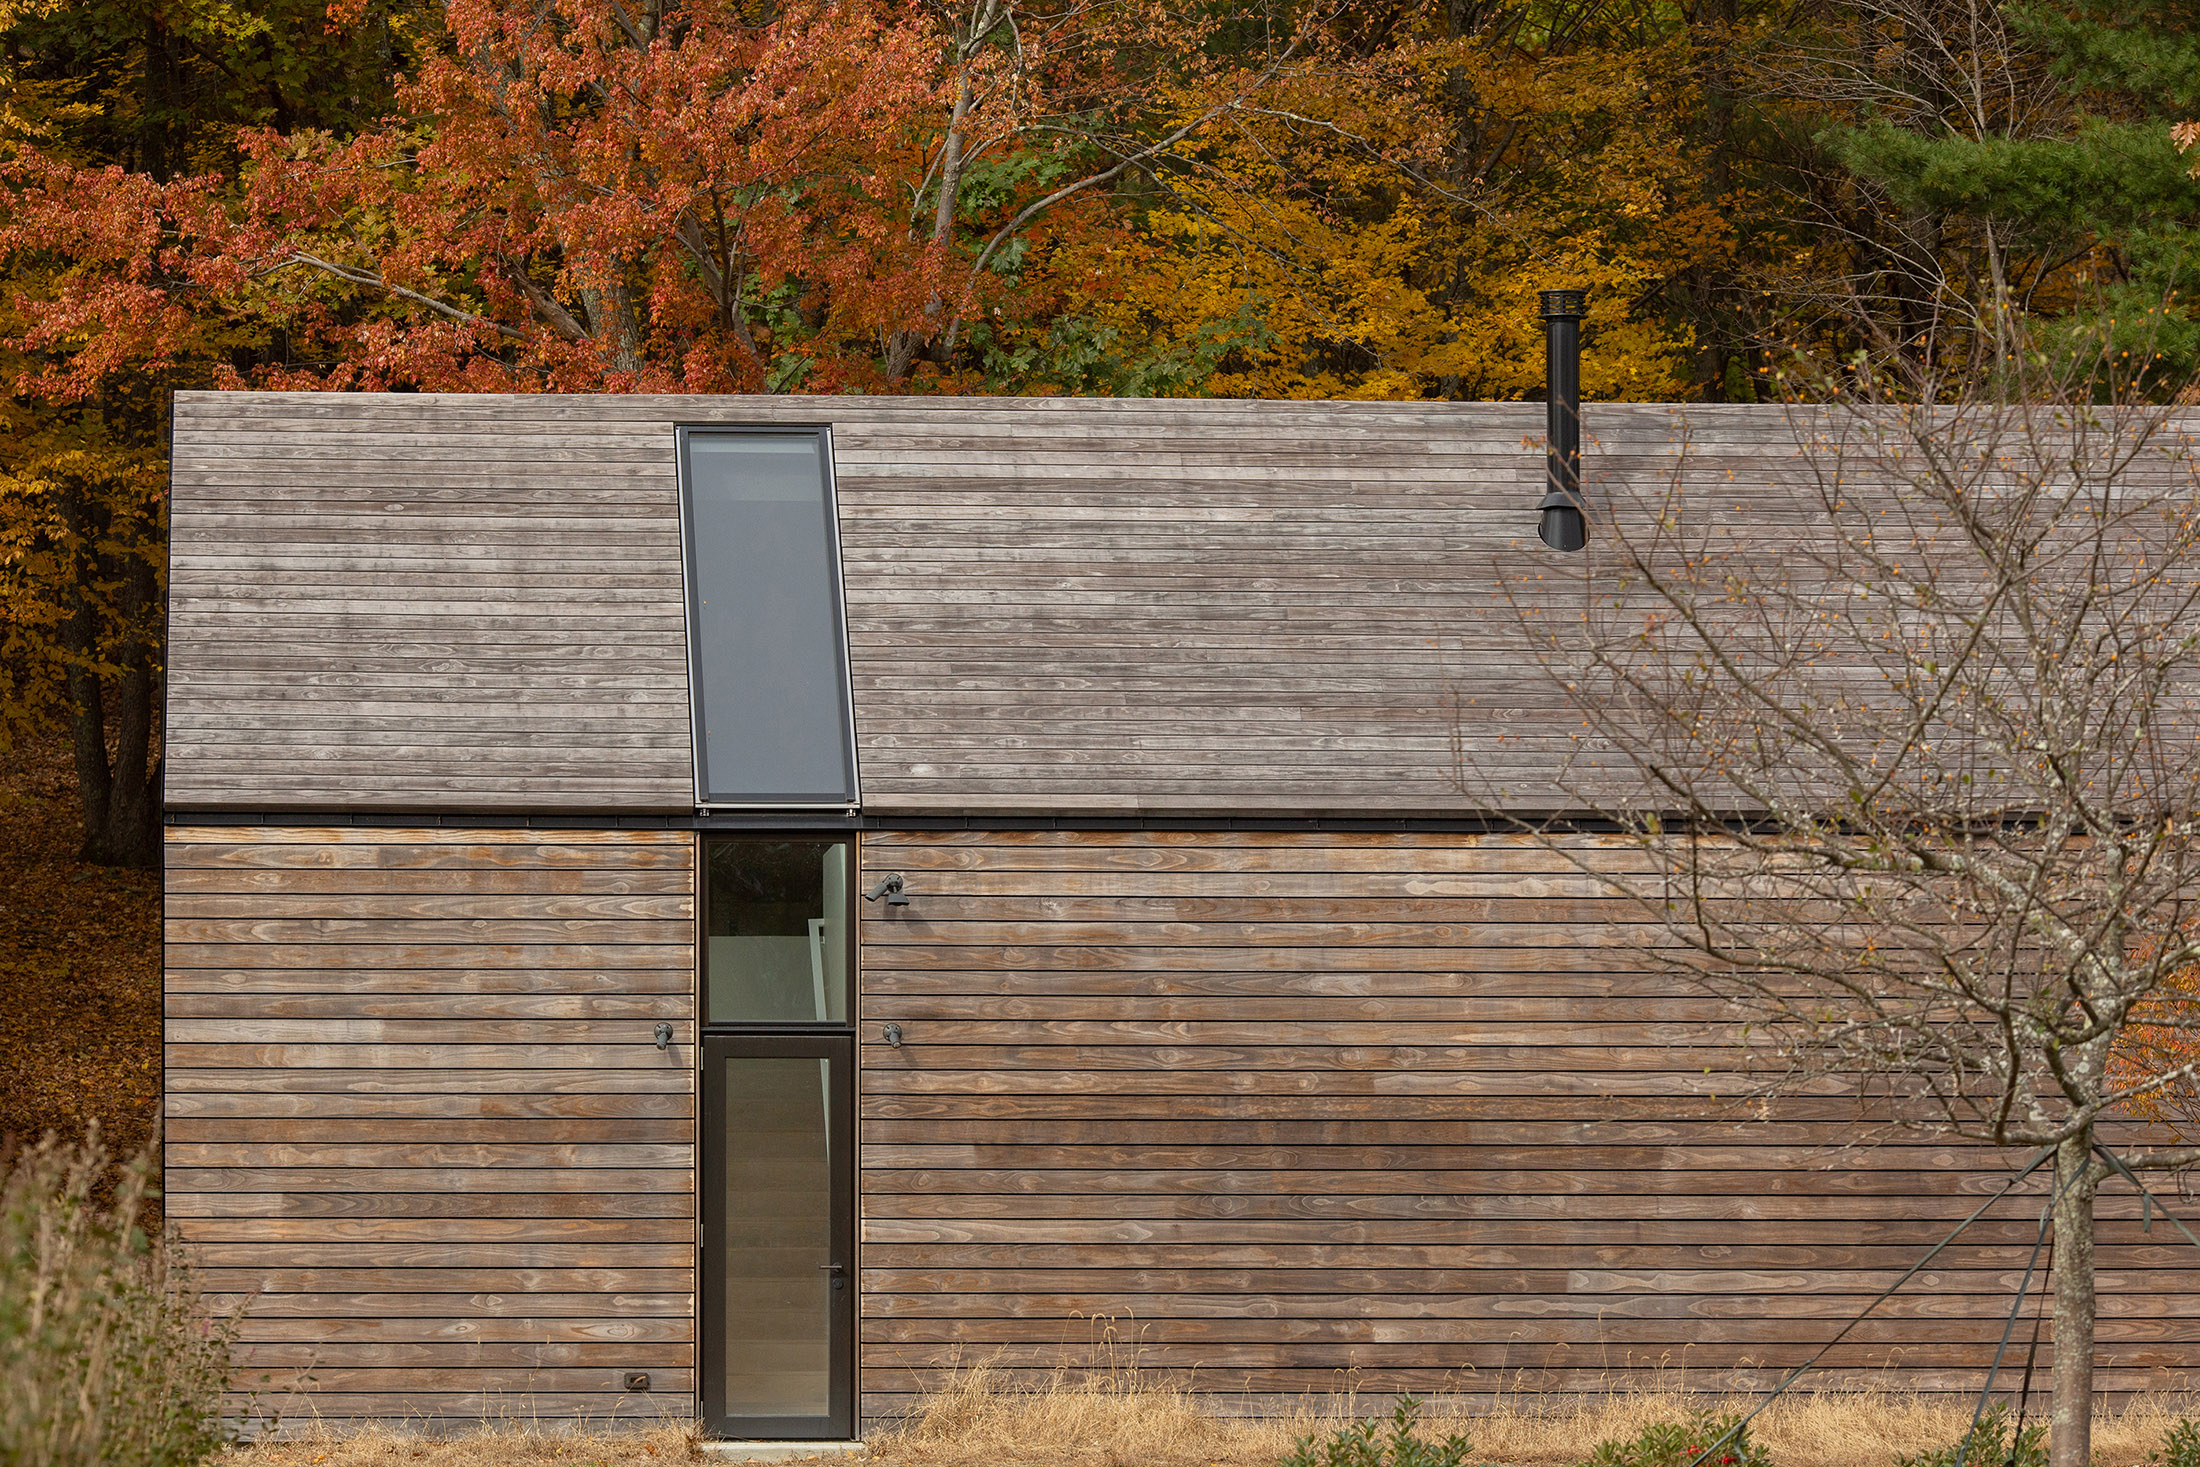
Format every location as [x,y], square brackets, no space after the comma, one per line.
[767,646]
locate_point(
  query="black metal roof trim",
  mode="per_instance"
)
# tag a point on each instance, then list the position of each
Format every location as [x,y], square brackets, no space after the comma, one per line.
[549,820]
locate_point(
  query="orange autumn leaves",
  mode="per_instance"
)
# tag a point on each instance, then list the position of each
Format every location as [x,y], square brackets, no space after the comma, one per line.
[710,198]
[579,196]
[113,272]
[2161,1039]
[597,204]
[877,195]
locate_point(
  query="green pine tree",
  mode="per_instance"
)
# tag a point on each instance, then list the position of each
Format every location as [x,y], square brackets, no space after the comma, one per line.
[2059,174]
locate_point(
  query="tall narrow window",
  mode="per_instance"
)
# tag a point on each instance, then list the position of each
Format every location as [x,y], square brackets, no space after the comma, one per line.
[767,650]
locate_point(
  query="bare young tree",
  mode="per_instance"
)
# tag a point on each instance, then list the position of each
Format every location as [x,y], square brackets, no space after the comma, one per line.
[1911,739]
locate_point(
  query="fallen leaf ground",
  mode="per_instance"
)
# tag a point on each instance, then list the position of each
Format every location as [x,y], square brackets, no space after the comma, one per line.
[79,970]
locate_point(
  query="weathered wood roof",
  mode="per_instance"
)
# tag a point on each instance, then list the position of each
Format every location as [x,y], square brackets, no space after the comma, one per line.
[409,602]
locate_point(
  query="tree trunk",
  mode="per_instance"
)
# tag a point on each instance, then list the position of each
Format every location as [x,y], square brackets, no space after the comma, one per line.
[614,323]
[118,789]
[133,787]
[88,737]
[903,346]
[901,354]
[2071,1435]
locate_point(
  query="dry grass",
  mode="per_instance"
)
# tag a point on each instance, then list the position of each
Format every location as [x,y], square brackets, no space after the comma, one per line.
[1126,1418]
[105,1357]
[1863,1428]
[1119,1416]
[499,1444]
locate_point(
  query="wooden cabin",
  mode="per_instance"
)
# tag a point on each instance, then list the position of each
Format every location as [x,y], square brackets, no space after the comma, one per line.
[743,907]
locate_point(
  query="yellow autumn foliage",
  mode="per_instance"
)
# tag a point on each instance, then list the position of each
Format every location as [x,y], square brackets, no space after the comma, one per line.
[1378,257]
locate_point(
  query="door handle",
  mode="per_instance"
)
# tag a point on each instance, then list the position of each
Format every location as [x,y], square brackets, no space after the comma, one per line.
[839,1271]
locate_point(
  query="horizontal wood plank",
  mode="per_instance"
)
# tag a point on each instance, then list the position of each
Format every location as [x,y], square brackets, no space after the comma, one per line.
[442,601]
[418,1130]
[1465,1123]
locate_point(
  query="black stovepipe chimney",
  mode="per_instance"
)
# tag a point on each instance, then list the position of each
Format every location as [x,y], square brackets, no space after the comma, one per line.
[1561,524]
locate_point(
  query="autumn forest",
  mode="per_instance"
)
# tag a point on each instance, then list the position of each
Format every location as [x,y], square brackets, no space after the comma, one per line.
[1356,198]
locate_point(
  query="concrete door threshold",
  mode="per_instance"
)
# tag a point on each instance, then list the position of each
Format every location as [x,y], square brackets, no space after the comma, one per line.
[780,1451]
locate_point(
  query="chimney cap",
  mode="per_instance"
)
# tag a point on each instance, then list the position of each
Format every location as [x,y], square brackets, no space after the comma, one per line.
[1563,305]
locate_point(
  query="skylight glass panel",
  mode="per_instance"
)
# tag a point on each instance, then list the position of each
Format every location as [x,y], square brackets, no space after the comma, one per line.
[767,647]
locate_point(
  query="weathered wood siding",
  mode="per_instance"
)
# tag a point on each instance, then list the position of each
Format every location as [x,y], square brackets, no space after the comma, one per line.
[377,604]
[416,602]
[1399,1112]
[417,1121]
[1189,607]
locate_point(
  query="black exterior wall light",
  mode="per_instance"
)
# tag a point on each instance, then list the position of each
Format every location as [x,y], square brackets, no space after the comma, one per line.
[893,888]
[1560,523]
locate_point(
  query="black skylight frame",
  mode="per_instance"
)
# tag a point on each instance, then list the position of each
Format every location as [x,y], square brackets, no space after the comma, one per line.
[852,801]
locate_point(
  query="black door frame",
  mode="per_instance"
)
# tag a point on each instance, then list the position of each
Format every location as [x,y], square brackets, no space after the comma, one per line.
[839,1050]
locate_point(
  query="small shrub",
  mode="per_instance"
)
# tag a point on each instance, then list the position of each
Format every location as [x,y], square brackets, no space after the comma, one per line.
[2180,1445]
[1366,1444]
[1987,1445]
[1719,1439]
[105,1357]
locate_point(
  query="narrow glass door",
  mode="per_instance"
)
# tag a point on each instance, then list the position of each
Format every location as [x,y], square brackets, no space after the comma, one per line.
[778,1236]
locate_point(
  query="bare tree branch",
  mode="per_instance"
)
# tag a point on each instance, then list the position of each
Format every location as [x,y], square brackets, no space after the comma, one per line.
[1907,750]
[371,279]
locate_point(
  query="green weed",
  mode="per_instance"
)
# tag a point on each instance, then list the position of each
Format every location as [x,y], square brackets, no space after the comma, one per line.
[1367,1444]
[2180,1445]
[1987,1445]
[1717,1440]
